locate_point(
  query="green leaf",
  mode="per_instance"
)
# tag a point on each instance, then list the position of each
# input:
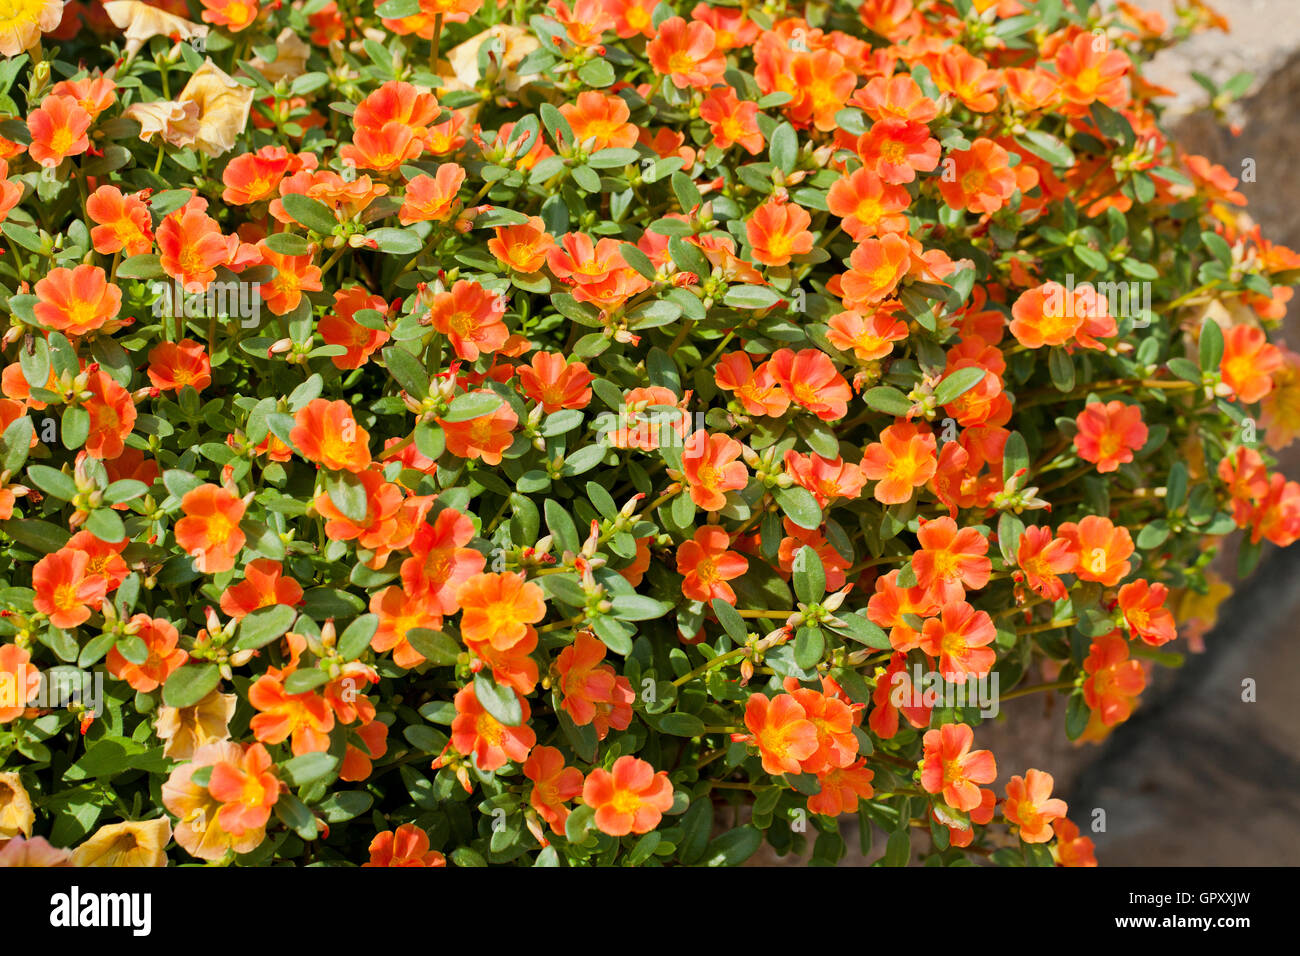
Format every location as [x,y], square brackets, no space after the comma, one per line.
[408,371]
[264,625]
[472,405]
[891,401]
[501,702]
[809,645]
[53,482]
[958,383]
[356,637]
[783,148]
[348,494]
[734,847]
[16,443]
[809,575]
[750,297]
[438,648]
[402,242]
[799,506]
[309,767]
[637,607]
[1211,345]
[1048,147]
[189,684]
[680,725]
[310,212]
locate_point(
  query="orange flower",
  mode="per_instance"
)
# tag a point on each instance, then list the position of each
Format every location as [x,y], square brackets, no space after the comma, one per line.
[599,121]
[1042,559]
[210,529]
[959,638]
[159,638]
[826,478]
[1031,807]
[408,845]
[522,247]
[777,231]
[77,300]
[732,121]
[200,831]
[174,365]
[65,592]
[1070,848]
[951,768]
[383,499]
[1248,363]
[1052,314]
[707,565]
[710,469]
[20,681]
[191,246]
[254,177]
[902,461]
[499,607]
[895,694]
[554,785]
[1145,613]
[896,97]
[950,561]
[891,604]
[687,53]
[969,79]
[112,416]
[246,790]
[629,797]
[1089,72]
[810,379]
[833,719]
[399,613]
[631,17]
[780,729]
[870,337]
[868,206]
[1113,682]
[234,15]
[105,557]
[483,438]
[1109,433]
[758,390]
[492,743]
[980,179]
[326,433]
[432,198]
[896,150]
[122,222]
[264,584]
[440,563]
[470,316]
[339,326]
[294,275]
[876,267]
[1103,548]
[516,668]
[555,384]
[305,717]
[58,128]
[592,692]
[840,788]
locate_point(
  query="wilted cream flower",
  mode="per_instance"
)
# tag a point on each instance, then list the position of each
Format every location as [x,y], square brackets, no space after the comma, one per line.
[177,122]
[290,58]
[139,22]
[186,729]
[516,42]
[133,843]
[23,21]
[16,814]
[33,852]
[223,107]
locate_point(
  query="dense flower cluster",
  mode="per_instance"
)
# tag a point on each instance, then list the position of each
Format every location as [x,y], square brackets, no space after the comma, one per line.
[449,432]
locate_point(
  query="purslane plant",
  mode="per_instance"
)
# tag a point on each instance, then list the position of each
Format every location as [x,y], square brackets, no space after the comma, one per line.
[622,433]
